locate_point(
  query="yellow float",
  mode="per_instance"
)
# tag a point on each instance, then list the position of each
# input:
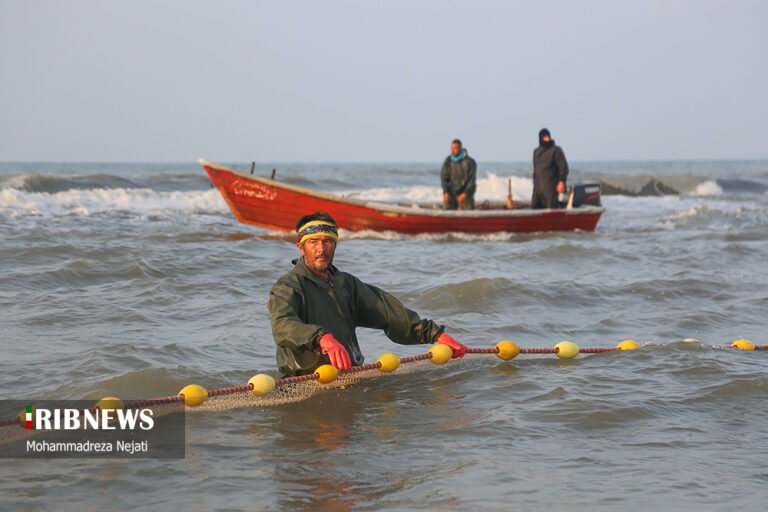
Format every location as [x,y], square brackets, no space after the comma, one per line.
[262,384]
[194,395]
[566,350]
[389,362]
[441,354]
[326,373]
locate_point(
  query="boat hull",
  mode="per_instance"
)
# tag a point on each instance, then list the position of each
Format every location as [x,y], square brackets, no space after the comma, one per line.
[267,203]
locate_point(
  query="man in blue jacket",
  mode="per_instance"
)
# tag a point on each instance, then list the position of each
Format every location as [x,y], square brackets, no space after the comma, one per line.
[458,178]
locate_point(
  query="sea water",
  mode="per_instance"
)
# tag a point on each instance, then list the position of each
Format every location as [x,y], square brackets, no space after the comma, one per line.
[134,280]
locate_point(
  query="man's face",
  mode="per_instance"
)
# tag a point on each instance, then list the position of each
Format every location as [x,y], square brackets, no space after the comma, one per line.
[455,148]
[545,138]
[318,253]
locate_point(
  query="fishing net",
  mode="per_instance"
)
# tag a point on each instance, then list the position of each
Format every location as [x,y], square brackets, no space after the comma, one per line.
[296,389]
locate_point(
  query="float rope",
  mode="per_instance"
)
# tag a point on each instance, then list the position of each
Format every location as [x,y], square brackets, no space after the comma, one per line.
[263,384]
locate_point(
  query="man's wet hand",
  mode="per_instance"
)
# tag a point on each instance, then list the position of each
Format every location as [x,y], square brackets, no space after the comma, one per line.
[336,352]
[458,349]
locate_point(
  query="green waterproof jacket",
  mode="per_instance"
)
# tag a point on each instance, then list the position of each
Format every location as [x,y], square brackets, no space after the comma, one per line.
[459,177]
[304,306]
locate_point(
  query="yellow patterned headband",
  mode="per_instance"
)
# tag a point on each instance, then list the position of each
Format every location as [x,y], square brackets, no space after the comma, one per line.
[317,228]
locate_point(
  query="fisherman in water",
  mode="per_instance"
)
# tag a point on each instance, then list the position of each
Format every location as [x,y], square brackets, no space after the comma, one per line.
[458,177]
[315,308]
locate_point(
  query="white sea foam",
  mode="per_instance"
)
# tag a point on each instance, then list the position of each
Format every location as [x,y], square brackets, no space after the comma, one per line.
[708,188]
[14,202]
[391,235]
[490,187]
[693,211]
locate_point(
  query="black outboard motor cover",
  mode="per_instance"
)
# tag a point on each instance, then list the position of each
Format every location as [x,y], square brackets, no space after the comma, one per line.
[584,193]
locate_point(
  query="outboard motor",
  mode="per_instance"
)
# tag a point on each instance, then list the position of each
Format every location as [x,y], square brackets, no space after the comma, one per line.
[583,193]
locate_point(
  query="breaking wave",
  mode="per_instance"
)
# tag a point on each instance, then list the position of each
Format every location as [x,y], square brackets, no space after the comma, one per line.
[16,202]
[145,192]
[644,186]
[496,187]
[489,187]
[37,182]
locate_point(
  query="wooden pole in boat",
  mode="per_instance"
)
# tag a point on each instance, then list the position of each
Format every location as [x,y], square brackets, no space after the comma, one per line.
[273,174]
[510,203]
[253,166]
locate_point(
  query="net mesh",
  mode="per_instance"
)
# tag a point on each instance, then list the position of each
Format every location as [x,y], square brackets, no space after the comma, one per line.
[297,391]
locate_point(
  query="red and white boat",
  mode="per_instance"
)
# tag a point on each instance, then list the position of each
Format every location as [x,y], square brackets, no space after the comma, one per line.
[270,204]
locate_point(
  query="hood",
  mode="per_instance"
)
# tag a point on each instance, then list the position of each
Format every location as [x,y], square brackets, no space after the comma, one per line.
[542,133]
[464,154]
[301,268]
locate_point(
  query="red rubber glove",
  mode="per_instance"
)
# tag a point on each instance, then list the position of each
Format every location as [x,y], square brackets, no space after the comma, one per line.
[336,352]
[458,349]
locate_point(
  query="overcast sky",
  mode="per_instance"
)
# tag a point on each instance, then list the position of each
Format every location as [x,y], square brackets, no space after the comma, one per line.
[381,81]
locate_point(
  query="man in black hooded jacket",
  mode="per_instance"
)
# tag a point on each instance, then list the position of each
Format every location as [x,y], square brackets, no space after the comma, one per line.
[550,172]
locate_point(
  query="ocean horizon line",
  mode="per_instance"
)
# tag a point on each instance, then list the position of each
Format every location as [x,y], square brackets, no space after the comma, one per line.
[374,162]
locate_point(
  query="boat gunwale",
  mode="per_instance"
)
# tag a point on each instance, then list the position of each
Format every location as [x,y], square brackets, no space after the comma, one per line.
[405,210]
